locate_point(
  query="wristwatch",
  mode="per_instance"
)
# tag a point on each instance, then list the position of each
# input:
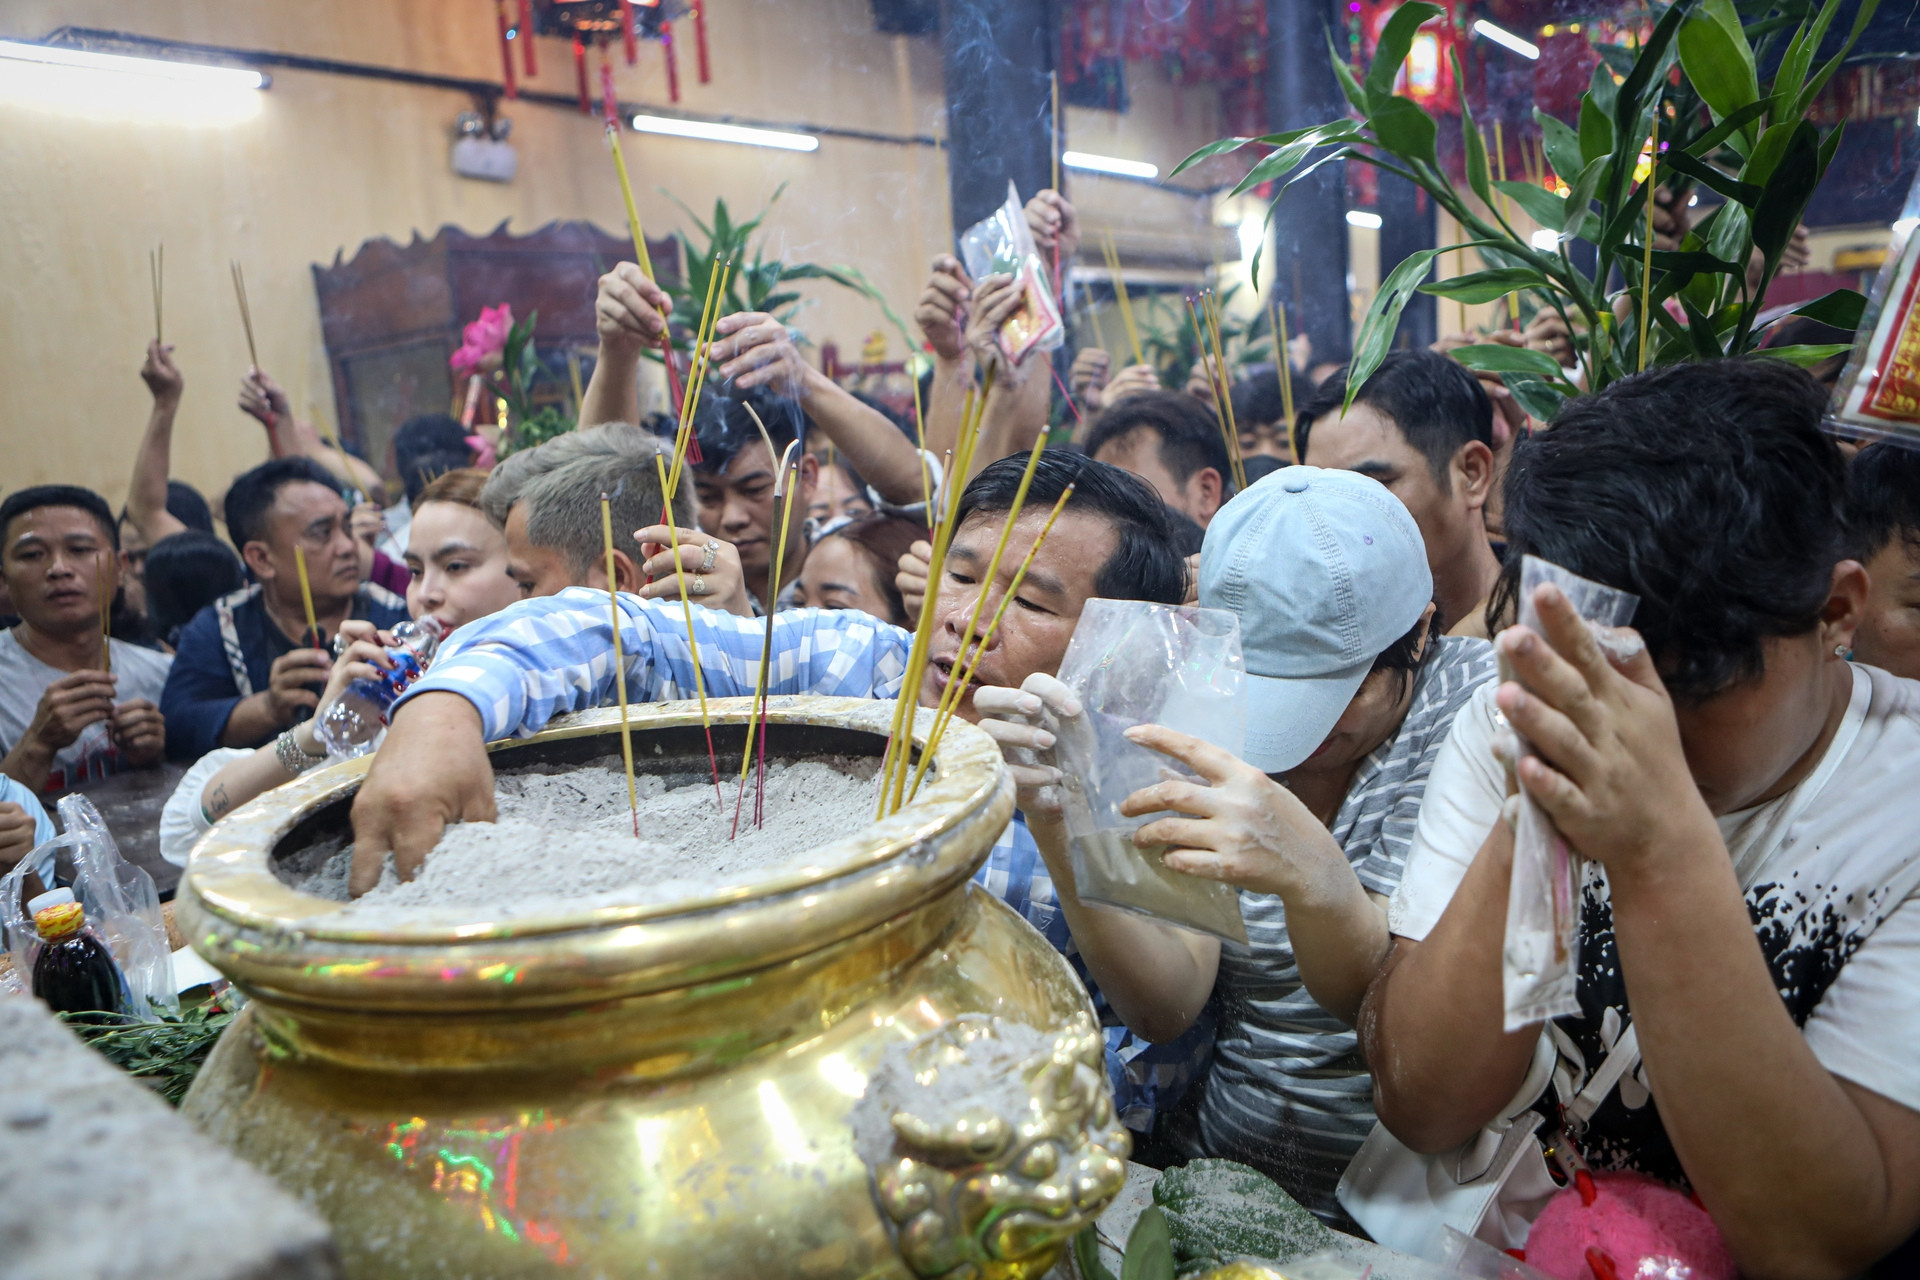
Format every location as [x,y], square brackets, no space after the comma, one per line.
[293,757]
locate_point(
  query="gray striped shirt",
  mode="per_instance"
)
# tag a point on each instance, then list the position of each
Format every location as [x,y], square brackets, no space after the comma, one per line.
[1288,1092]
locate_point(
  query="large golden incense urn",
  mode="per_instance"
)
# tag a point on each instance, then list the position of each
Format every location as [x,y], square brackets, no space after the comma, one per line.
[662,1089]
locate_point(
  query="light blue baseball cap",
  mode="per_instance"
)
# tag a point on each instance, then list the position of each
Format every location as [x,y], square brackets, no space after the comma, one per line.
[1326,569]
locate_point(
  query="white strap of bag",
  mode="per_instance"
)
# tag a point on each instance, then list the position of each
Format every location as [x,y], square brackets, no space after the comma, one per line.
[1623,1057]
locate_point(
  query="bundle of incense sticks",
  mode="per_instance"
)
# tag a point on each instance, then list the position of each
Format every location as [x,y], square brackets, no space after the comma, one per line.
[893,771]
[964,677]
[640,253]
[246,312]
[1206,322]
[920,441]
[619,658]
[104,591]
[784,486]
[1112,253]
[1646,261]
[306,594]
[157,268]
[693,641]
[1285,363]
[718,278]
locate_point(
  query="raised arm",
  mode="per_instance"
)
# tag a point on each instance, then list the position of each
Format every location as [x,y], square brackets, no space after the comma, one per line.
[630,312]
[263,398]
[147,494]
[942,317]
[1017,406]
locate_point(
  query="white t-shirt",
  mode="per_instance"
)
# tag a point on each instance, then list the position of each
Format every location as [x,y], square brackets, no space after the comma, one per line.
[92,755]
[1831,873]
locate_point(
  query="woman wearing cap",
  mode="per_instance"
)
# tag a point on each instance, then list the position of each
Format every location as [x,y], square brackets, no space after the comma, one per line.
[1350,694]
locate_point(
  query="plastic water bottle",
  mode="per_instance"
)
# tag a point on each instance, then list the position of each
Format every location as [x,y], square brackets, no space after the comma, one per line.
[352,722]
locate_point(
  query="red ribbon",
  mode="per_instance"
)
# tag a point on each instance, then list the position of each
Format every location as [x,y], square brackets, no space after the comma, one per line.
[580,75]
[627,38]
[506,53]
[526,38]
[673,63]
[700,40]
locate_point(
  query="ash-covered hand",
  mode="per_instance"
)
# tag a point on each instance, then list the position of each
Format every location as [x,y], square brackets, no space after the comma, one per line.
[911,580]
[629,310]
[16,834]
[1051,218]
[942,310]
[1238,826]
[1027,722]
[1608,768]
[756,350]
[432,769]
[714,575]
[1088,377]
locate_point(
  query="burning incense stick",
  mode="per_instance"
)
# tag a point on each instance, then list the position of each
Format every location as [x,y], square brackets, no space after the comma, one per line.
[965,676]
[619,658]
[1120,296]
[246,312]
[157,268]
[697,366]
[573,376]
[633,210]
[693,641]
[306,594]
[1227,424]
[1286,373]
[1646,259]
[104,590]
[783,488]
[1053,139]
[920,440]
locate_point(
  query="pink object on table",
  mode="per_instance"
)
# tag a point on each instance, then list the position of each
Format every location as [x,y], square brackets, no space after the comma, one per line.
[1634,1229]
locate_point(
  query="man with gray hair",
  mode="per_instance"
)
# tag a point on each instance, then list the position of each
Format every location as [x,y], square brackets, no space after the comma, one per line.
[547,499]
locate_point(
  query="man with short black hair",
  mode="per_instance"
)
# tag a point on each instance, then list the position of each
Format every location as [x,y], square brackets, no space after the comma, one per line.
[1883,523]
[512,672]
[247,666]
[1171,441]
[1423,427]
[68,713]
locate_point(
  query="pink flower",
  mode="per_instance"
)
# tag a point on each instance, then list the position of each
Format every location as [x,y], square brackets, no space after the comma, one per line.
[483,341]
[483,456]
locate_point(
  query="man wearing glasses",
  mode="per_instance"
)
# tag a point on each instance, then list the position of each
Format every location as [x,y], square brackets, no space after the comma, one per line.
[248,667]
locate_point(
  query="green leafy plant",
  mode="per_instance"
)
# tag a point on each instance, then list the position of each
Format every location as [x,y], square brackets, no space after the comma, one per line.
[1720,128]
[1148,1255]
[530,424]
[757,282]
[165,1055]
[1173,345]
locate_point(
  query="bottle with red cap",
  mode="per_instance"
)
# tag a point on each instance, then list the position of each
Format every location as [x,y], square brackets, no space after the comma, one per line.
[74,972]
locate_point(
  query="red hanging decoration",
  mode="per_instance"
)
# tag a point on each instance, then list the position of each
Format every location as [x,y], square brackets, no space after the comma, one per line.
[580,75]
[512,89]
[700,40]
[673,63]
[628,39]
[525,27]
[609,102]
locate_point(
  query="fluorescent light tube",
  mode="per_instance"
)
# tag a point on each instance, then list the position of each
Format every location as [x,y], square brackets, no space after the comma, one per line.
[191,72]
[1502,36]
[714,131]
[1361,218]
[1109,164]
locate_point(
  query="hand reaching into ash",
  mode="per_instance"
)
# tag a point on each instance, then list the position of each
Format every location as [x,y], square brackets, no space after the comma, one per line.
[431,770]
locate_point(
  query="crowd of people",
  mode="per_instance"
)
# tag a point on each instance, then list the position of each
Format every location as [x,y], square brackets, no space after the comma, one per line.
[1733,769]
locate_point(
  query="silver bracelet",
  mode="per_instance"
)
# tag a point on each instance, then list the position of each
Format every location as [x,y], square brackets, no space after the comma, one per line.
[293,757]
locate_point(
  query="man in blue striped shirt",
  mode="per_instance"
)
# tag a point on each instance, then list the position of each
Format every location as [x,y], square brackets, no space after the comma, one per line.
[510,673]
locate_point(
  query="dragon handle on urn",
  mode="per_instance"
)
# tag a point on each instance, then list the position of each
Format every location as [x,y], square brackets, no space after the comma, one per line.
[992,1186]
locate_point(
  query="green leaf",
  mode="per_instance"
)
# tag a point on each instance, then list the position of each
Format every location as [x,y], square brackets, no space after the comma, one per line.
[1218,1211]
[1479,287]
[1717,59]
[1580,201]
[1705,144]
[1806,355]
[1631,101]
[1711,178]
[1396,38]
[1540,204]
[1788,189]
[1495,357]
[1348,85]
[1289,156]
[1603,89]
[1149,1254]
[1843,309]
[1405,130]
[1538,398]
[1218,147]
[1476,146]
[1383,317]
[1820,78]
[1596,127]
[1271,140]
[1798,58]
[1562,145]
[1689,262]
[1086,1255]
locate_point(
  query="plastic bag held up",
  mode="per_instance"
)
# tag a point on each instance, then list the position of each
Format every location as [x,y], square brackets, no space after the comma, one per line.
[1002,244]
[122,906]
[1134,663]
[1542,953]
